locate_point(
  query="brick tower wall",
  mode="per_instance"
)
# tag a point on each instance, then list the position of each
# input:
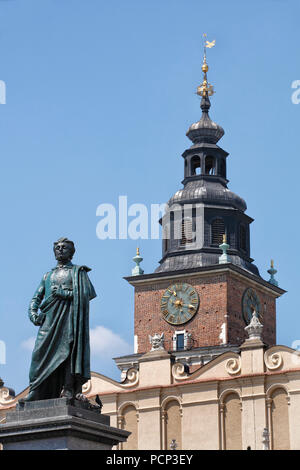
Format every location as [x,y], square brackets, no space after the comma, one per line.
[220,303]
[205,327]
[236,323]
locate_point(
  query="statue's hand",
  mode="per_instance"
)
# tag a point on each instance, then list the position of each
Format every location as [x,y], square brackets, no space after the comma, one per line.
[62,293]
[38,319]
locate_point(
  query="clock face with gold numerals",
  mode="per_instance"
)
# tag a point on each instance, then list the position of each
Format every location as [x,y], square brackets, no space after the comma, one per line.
[179,303]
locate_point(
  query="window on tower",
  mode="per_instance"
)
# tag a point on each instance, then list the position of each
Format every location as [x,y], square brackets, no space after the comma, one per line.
[195,165]
[166,237]
[242,238]
[209,165]
[179,341]
[217,231]
[166,245]
[186,231]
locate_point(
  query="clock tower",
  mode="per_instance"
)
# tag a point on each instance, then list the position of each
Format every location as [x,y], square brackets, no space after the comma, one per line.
[199,300]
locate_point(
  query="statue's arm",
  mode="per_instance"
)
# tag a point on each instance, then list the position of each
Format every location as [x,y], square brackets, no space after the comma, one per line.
[62,293]
[92,292]
[89,286]
[36,301]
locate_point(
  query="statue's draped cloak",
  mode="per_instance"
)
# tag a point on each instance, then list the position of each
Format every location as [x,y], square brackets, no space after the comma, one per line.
[64,334]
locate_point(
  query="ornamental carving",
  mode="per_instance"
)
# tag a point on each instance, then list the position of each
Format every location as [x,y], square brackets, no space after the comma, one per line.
[157,341]
[273,361]
[233,366]
[132,377]
[87,386]
[7,395]
[180,371]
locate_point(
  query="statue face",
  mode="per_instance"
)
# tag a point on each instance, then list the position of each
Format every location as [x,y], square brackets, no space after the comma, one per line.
[156,340]
[63,251]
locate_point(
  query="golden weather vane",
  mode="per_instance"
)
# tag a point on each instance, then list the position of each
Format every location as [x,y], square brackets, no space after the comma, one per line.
[206,88]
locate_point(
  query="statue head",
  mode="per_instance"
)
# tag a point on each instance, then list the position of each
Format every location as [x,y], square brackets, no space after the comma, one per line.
[157,341]
[64,249]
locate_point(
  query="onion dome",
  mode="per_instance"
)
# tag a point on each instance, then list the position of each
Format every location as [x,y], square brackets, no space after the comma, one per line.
[205,130]
[214,193]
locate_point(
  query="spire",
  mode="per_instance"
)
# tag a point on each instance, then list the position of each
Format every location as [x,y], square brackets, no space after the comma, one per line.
[137,270]
[205,89]
[205,185]
[272,271]
[205,130]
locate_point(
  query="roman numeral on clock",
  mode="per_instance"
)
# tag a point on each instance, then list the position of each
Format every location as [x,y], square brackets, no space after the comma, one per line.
[179,303]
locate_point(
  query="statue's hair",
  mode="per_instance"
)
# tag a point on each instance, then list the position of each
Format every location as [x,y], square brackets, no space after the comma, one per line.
[65,240]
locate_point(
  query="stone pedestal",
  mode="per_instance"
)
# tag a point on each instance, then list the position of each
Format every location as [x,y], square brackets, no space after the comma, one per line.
[59,424]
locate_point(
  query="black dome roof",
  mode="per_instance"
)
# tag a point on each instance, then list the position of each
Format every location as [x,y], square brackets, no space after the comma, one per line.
[208,192]
[205,130]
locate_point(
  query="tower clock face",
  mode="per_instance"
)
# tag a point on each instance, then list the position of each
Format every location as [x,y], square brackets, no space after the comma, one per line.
[179,303]
[250,303]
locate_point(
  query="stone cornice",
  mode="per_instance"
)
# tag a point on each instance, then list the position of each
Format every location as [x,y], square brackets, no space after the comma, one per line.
[212,380]
[236,271]
[158,355]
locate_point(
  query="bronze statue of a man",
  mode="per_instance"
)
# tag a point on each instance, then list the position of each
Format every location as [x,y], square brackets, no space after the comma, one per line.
[60,362]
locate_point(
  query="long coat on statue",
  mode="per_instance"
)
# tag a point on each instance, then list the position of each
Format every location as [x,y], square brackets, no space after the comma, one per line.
[63,337]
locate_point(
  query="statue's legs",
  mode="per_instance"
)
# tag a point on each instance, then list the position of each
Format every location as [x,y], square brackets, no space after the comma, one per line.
[49,388]
[61,383]
[52,386]
[71,385]
[33,395]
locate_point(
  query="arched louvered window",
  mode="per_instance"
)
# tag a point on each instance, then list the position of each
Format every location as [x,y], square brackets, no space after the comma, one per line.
[242,238]
[186,231]
[195,165]
[217,231]
[166,237]
[209,165]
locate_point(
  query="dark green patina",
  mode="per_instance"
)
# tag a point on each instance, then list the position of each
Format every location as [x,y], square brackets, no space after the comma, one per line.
[61,357]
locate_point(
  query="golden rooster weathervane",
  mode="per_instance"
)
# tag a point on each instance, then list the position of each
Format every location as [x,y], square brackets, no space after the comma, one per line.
[206,88]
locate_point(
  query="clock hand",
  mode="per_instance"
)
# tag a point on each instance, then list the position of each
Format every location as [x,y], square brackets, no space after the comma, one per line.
[189,306]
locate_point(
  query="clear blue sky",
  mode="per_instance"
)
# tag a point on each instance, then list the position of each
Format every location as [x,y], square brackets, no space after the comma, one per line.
[100,95]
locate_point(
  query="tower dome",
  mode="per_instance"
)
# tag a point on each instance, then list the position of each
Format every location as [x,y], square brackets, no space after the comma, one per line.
[205,130]
[199,215]
[210,194]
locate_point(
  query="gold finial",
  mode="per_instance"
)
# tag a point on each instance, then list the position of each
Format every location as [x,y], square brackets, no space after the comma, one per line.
[206,88]
[137,251]
[272,263]
[224,238]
